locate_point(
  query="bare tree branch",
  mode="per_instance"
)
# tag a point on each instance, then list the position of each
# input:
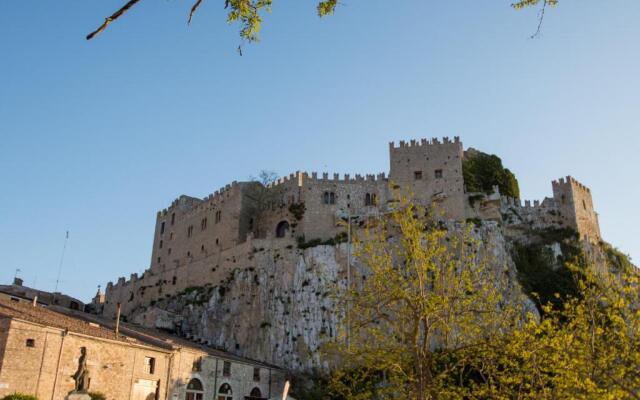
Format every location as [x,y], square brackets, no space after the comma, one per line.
[540,19]
[112,18]
[193,10]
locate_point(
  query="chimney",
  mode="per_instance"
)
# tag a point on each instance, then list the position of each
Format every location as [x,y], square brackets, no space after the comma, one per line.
[118,319]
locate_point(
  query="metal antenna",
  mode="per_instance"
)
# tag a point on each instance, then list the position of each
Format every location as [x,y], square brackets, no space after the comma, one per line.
[64,248]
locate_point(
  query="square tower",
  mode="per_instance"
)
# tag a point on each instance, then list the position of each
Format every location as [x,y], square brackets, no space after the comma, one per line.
[430,172]
[576,206]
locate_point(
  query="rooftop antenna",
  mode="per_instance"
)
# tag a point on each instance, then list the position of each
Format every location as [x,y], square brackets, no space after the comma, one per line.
[64,248]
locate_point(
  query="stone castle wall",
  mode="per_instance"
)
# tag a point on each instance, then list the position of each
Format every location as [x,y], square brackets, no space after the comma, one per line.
[200,242]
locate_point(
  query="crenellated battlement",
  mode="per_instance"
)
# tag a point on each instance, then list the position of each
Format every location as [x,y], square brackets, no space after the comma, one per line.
[569,180]
[346,178]
[413,143]
[197,204]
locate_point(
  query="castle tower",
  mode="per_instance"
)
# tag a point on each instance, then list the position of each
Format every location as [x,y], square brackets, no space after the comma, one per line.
[430,172]
[576,206]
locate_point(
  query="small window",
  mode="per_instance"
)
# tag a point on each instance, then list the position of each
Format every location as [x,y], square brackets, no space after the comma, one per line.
[149,365]
[162,228]
[332,198]
[256,375]
[190,231]
[226,368]
[282,229]
[203,224]
[159,260]
[171,236]
[169,251]
[218,216]
[202,248]
[325,197]
[175,280]
[417,175]
[160,244]
[173,218]
[584,204]
[438,174]
[30,343]
[367,199]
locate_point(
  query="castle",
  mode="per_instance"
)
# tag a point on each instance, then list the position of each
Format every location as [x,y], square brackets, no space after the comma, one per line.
[198,241]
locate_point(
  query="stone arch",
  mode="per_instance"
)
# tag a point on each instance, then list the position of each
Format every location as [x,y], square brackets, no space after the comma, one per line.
[225,392]
[195,390]
[255,393]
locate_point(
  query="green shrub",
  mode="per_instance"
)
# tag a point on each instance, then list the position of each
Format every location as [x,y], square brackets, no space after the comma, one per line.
[19,396]
[482,171]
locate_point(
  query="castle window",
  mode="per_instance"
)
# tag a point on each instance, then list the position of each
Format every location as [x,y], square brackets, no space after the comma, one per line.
[202,248]
[162,228]
[30,343]
[250,224]
[226,369]
[255,394]
[417,175]
[256,376]
[584,205]
[438,174]
[329,198]
[190,231]
[173,218]
[367,199]
[171,236]
[325,197]
[282,229]
[217,241]
[563,199]
[374,199]
[169,251]
[225,393]
[203,224]
[175,280]
[160,244]
[149,365]
[218,216]
[159,260]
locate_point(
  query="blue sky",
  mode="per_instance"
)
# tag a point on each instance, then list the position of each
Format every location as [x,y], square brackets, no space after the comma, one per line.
[97,136]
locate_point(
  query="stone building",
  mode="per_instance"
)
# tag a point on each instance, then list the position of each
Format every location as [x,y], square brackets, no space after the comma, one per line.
[44,352]
[199,243]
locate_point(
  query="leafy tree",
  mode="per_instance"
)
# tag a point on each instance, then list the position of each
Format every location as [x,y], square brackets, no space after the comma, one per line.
[249,14]
[19,396]
[426,298]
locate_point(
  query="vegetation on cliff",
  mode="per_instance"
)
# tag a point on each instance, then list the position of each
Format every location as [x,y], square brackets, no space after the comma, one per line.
[428,324]
[482,171]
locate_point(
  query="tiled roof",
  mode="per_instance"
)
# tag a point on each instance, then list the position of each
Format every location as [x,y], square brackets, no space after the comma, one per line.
[93,325]
[45,316]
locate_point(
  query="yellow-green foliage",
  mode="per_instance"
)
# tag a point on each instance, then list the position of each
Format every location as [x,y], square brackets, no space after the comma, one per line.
[429,323]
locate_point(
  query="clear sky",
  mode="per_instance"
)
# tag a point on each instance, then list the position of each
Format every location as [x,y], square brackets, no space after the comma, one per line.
[97,136]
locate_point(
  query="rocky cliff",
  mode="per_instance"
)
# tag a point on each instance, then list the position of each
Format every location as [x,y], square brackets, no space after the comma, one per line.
[279,308]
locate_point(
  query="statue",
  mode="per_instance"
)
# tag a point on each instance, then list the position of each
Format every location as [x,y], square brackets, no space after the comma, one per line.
[81,376]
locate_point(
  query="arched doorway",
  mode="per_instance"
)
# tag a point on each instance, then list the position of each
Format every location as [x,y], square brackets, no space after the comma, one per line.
[225,393]
[195,391]
[282,229]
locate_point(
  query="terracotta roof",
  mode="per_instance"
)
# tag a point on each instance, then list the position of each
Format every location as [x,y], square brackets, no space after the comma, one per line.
[48,317]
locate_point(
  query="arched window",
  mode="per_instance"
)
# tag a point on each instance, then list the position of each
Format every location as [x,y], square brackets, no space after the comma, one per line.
[255,394]
[195,390]
[325,198]
[282,229]
[367,199]
[225,393]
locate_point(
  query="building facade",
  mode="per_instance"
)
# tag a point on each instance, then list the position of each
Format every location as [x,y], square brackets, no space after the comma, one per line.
[48,353]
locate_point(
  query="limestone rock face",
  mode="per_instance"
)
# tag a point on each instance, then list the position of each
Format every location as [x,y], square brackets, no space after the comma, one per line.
[279,309]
